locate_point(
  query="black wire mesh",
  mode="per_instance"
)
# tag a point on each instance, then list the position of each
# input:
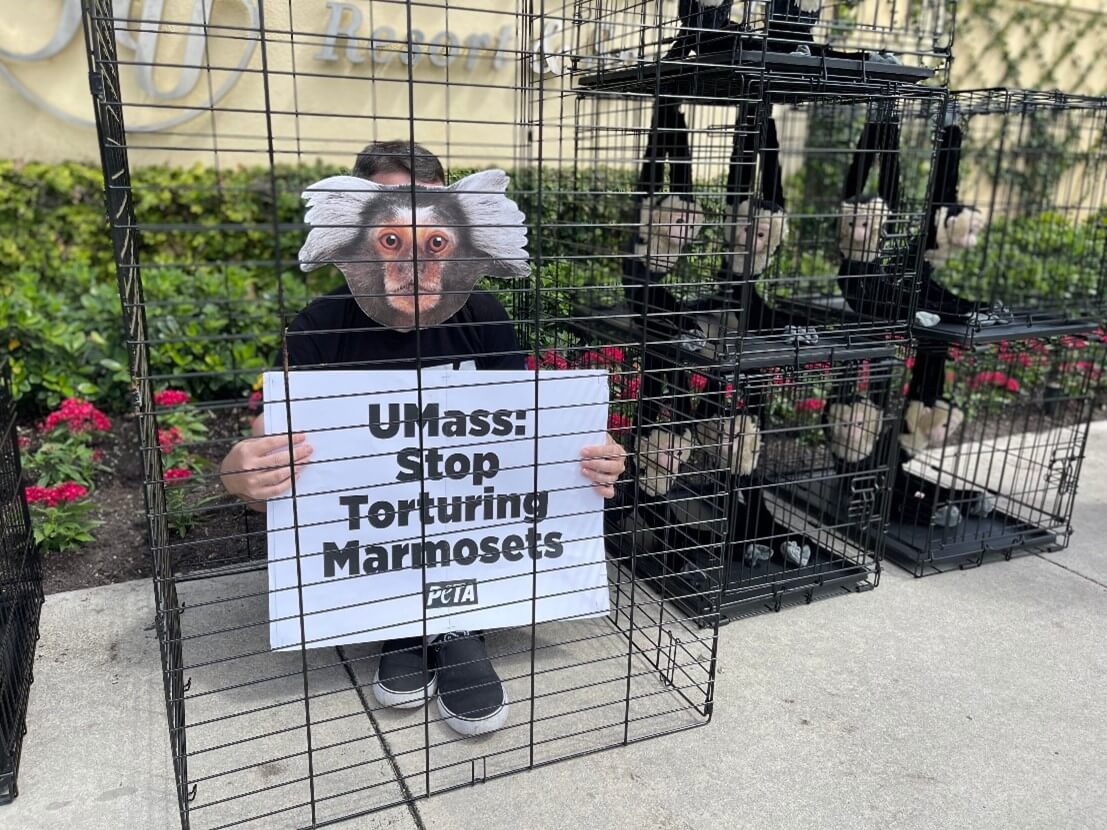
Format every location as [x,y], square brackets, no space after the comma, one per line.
[1025,184]
[275,715]
[20,595]
[991,449]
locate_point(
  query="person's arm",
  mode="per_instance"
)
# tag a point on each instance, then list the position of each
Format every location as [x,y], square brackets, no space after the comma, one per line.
[260,468]
[602,464]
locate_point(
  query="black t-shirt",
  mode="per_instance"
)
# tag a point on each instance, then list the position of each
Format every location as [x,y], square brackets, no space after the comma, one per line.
[334,333]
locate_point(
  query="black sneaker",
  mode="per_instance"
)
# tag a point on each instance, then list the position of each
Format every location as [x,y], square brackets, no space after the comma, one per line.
[471,697]
[401,681]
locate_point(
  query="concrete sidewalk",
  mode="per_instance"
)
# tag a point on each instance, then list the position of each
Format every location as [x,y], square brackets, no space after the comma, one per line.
[971,699]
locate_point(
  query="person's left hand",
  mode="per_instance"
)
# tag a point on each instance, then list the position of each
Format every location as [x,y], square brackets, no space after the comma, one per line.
[603,465]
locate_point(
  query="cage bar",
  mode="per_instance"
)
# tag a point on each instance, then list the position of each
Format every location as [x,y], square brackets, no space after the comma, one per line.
[297,736]
[20,595]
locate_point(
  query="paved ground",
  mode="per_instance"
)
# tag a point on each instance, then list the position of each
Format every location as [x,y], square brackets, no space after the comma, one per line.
[968,700]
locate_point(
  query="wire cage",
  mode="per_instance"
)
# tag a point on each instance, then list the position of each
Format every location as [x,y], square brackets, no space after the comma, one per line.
[991,449]
[784,43]
[280,709]
[20,596]
[1018,237]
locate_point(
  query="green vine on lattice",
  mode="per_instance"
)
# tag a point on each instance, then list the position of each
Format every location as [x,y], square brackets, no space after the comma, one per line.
[988,28]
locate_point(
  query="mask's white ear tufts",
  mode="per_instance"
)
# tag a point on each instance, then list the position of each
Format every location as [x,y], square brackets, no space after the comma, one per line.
[860,228]
[666,227]
[496,225]
[929,426]
[334,209]
[660,454]
[854,428]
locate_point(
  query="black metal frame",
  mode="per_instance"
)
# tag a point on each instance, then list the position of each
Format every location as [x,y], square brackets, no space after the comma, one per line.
[20,596]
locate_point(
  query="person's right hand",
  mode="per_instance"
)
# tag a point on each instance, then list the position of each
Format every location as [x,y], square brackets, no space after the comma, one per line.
[257,469]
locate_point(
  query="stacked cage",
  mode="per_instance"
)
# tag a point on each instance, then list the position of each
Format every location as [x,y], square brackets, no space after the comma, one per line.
[274,722]
[20,595]
[722,174]
[1005,375]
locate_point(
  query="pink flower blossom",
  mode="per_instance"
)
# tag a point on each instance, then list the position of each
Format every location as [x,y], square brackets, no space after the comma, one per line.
[591,359]
[169,438]
[618,422]
[631,388]
[810,405]
[612,354]
[1013,385]
[63,493]
[530,364]
[24,441]
[697,382]
[78,416]
[177,474]
[993,378]
[171,397]
[254,402]
[1070,342]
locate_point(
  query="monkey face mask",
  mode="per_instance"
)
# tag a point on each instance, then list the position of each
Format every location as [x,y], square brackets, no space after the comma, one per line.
[413,257]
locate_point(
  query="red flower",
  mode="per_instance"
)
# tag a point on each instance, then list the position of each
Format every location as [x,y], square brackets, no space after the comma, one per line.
[70,491]
[97,456]
[1012,385]
[530,365]
[171,397]
[53,496]
[1070,342]
[553,359]
[810,405]
[40,495]
[698,382]
[988,379]
[591,359]
[631,388]
[612,354]
[729,389]
[254,402]
[78,417]
[169,438]
[24,441]
[618,422]
[177,474]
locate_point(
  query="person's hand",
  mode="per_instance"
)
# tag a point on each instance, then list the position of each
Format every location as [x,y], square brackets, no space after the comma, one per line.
[257,469]
[603,464]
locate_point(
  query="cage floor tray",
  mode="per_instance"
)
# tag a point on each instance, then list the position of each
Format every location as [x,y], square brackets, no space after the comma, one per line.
[750,352]
[1025,325]
[912,545]
[780,76]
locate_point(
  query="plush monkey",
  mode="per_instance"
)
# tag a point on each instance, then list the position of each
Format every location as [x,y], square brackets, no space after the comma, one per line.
[412,256]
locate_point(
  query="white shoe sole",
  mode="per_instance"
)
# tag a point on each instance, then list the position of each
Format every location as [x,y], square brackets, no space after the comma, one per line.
[471,727]
[403,700]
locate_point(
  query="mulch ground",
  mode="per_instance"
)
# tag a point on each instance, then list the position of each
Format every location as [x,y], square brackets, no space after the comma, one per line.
[224,531]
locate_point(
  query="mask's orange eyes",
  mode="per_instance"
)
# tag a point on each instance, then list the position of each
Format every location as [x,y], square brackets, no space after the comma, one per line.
[389,241]
[438,243]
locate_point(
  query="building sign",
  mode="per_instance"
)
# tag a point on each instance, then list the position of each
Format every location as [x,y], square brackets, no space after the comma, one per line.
[166,65]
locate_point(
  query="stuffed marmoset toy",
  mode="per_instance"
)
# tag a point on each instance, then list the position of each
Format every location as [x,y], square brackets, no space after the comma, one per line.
[873,289]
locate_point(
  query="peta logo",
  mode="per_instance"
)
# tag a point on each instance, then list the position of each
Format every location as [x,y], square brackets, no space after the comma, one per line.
[451,594]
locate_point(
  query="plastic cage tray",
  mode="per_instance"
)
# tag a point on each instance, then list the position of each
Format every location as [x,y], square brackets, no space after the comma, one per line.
[617,324]
[689,572]
[923,549]
[782,77]
[1023,326]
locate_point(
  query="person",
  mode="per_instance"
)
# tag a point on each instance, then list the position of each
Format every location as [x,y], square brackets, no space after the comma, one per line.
[334,332]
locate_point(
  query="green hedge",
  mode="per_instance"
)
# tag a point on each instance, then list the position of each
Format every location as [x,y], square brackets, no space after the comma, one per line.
[212,281]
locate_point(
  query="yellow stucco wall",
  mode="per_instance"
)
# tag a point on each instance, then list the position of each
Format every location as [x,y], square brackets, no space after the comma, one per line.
[467,110]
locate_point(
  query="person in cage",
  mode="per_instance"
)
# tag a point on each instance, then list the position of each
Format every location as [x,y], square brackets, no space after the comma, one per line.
[371,323]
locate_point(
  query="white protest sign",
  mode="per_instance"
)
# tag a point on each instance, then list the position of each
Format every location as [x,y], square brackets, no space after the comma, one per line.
[471,512]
